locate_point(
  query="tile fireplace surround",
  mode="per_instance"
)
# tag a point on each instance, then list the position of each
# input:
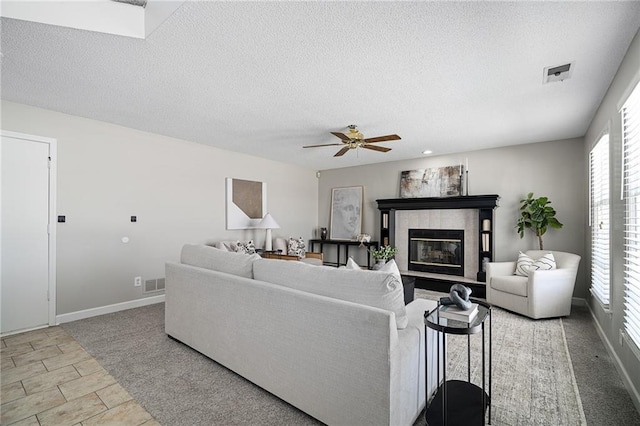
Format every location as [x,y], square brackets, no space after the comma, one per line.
[464,219]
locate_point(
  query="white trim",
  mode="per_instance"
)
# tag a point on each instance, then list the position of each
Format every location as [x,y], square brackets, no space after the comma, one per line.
[631,344]
[109,309]
[53,154]
[578,301]
[635,80]
[101,16]
[605,308]
[633,392]
[12,333]
[53,226]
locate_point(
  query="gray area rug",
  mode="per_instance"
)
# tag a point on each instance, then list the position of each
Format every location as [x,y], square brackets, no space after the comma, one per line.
[533,381]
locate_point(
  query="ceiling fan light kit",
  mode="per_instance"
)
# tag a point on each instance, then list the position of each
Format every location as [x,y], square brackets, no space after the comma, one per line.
[354,140]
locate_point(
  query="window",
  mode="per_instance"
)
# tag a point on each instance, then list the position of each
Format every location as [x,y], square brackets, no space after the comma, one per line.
[599,218]
[631,191]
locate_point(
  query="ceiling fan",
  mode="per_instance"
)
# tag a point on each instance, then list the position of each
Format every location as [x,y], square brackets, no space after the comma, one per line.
[354,139]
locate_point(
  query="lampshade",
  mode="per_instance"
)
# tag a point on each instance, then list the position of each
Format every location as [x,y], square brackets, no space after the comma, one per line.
[268,222]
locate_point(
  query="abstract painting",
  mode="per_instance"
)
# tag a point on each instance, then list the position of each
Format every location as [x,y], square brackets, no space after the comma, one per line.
[436,182]
[246,203]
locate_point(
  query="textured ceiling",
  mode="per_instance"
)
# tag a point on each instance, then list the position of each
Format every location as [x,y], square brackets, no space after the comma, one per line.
[266,78]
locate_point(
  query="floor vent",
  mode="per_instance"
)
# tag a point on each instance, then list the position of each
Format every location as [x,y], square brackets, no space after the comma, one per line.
[154,285]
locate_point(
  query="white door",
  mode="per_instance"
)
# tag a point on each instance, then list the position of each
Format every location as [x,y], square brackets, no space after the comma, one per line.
[25,251]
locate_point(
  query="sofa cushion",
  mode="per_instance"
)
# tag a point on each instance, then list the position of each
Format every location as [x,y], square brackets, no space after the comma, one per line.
[513,284]
[218,260]
[373,288]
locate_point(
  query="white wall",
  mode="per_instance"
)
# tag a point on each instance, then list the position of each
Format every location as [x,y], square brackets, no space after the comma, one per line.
[553,169]
[611,323]
[107,173]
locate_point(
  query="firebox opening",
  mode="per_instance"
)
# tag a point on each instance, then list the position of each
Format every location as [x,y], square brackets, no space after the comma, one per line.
[439,251]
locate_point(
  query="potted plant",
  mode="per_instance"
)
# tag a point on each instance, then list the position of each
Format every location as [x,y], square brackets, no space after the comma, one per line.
[384,253]
[537,215]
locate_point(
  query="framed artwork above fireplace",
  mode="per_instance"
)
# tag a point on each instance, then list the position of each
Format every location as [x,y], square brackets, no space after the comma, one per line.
[434,182]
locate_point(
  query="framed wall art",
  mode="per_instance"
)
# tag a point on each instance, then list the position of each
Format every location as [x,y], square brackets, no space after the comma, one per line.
[346,213]
[436,182]
[246,203]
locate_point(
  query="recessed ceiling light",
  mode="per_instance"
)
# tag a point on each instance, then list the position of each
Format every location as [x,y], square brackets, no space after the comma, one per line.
[427,152]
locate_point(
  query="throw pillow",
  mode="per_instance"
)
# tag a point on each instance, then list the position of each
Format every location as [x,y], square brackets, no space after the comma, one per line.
[227,245]
[546,263]
[296,247]
[246,248]
[392,266]
[351,264]
[523,264]
[526,264]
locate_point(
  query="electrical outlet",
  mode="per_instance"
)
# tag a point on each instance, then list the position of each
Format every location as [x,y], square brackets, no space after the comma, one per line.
[137,281]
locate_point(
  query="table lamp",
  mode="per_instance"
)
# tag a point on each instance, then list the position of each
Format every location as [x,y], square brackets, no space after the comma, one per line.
[268,223]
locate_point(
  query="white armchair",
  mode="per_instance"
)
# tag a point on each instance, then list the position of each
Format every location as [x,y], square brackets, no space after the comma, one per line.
[543,294]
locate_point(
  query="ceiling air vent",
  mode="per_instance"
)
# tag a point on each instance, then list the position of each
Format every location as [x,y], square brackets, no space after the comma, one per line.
[557,73]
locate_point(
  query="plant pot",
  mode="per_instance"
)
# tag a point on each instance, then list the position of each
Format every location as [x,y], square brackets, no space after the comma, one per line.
[379,264]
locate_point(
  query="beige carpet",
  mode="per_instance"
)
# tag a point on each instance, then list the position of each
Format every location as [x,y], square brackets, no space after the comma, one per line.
[532,378]
[533,381]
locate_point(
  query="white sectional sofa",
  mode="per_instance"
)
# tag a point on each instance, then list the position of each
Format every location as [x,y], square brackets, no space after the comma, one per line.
[338,344]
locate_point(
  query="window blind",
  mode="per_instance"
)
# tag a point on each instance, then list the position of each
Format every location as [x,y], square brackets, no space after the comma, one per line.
[631,191]
[599,218]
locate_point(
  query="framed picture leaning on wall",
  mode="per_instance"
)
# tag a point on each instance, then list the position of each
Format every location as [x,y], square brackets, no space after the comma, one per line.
[346,212]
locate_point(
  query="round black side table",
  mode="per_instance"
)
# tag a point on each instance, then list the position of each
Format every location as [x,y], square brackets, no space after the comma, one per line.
[458,402]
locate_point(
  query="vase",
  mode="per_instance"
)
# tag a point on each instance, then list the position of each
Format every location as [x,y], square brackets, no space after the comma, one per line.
[323,233]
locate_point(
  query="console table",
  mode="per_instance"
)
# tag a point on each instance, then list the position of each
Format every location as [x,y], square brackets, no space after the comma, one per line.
[344,244]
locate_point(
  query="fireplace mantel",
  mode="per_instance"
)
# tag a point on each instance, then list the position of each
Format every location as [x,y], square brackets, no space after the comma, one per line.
[431,203]
[485,204]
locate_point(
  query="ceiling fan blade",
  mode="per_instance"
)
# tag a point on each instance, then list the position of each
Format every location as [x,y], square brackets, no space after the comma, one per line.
[341,136]
[376,148]
[342,151]
[383,139]
[326,144]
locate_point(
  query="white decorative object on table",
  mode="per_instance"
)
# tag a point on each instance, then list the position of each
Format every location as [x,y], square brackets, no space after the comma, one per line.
[363,238]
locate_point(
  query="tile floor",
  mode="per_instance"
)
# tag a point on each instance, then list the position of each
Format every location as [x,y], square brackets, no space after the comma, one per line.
[47,378]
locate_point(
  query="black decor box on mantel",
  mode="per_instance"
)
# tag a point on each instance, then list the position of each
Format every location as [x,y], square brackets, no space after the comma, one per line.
[484,204]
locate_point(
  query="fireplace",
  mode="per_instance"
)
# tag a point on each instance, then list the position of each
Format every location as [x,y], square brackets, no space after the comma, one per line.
[439,251]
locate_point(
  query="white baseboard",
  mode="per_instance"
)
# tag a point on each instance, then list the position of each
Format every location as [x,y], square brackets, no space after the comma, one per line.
[579,301]
[633,392]
[94,312]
